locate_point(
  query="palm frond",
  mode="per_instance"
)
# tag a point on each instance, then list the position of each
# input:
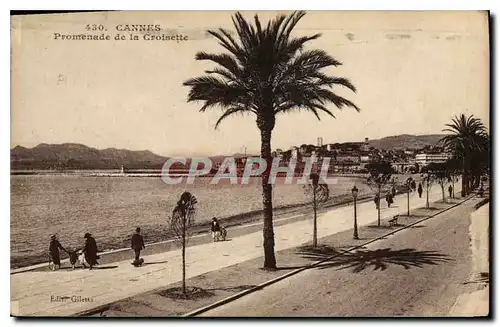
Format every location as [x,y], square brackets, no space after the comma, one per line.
[224,60]
[266,72]
[230,112]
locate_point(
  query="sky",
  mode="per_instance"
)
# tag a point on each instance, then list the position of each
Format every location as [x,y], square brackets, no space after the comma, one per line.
[414,71]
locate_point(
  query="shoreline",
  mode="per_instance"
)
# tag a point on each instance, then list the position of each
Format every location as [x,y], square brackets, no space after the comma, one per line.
[242,220]
[99,173]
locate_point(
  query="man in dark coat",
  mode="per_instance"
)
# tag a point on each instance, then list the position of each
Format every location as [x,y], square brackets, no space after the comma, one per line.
[54,247]
[388,198]
[137,245]
[90,250]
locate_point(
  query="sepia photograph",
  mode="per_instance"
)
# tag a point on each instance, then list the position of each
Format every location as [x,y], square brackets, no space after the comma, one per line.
[265,164]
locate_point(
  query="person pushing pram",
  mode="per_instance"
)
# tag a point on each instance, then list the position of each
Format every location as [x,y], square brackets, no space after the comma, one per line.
[218,232]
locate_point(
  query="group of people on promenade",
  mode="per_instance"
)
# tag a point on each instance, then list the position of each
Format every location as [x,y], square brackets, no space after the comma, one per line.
[389,198]
[413,187]
[89,251]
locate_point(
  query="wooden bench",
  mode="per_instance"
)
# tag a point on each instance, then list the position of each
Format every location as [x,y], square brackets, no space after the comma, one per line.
[393,221]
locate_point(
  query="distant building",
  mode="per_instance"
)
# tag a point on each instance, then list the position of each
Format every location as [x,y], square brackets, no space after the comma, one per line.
[364,158]
[423,159]
[365,146]
[348,157]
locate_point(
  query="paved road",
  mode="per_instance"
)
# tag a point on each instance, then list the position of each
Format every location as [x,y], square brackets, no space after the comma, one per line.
[417,272]
[35,293]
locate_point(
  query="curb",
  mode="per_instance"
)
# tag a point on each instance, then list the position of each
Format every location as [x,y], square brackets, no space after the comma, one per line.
[294,272]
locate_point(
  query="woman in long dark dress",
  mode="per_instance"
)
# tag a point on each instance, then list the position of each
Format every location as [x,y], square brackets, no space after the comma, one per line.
[90,250]
[54,247]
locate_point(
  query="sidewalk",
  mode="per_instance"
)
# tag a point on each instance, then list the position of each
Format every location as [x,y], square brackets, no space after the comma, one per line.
[67,292]
[476,304]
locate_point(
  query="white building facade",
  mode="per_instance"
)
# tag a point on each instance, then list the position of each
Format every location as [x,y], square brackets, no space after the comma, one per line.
[423,159]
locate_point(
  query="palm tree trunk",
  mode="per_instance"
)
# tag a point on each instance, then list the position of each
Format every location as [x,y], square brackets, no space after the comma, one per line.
[267,201]
[465,179]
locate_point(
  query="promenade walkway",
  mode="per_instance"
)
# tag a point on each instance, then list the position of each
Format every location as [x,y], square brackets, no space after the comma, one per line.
[66,292]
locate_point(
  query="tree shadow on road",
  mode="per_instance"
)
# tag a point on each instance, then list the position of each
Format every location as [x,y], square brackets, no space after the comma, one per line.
[379,259]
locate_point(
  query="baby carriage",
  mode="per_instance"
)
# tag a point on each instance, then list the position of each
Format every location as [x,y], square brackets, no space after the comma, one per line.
[220,235]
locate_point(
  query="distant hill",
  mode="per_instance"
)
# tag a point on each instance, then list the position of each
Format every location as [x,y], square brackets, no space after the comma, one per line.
[79,156]
[405,141]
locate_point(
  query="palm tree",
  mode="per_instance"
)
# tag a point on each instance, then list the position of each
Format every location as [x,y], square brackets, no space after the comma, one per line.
[466,139]
[267,72]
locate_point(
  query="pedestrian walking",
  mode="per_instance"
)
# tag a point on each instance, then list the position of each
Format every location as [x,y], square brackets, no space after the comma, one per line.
[54,247]
[137,245]
[90,250]
[393,191]
[390,200]
[450,190]
[420,190]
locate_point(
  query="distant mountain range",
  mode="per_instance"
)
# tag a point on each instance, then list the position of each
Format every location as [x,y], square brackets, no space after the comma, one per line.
[406,141]
[79,156]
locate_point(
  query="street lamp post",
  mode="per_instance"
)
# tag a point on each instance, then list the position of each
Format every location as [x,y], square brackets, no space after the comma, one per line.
[355,195]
